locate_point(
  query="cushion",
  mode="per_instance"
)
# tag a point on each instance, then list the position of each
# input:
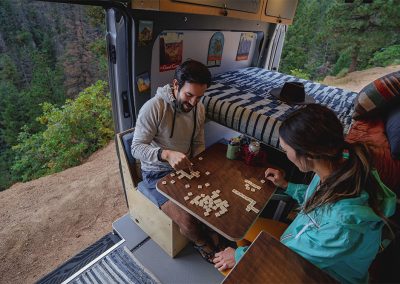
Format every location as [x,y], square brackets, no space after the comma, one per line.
[393,133]
[372,132]
[127,141]
[378,96]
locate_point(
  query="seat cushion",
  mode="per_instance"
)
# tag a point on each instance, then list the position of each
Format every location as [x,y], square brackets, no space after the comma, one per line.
[146,192]
[127,141]
[393,133]
[372,132]
[378,97]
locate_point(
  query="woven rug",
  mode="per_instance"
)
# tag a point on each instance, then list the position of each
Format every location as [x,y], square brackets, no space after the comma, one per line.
[119,266]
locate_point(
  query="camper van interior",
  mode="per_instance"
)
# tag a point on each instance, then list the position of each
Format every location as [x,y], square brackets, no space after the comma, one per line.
[240,42]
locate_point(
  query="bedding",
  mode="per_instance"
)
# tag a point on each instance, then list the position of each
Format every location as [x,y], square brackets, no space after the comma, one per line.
[241,100]
[393,133]
[372,133]
[378,97]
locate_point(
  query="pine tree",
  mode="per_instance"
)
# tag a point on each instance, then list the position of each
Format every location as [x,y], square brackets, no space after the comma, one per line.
[305,47]
[360,29]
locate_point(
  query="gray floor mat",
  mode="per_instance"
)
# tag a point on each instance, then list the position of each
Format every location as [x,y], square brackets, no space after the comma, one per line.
[119,266]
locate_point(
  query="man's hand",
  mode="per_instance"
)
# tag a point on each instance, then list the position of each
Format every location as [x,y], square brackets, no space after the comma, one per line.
[277,177]
[177,160]
[225,259]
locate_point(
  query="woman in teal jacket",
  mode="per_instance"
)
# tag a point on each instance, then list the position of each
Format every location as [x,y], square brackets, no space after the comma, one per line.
[343,209]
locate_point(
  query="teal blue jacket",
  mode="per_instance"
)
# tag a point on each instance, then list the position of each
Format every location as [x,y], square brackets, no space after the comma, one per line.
[343,238]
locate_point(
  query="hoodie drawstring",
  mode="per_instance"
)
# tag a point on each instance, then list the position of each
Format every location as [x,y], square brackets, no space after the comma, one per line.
[194,129]
[173,124]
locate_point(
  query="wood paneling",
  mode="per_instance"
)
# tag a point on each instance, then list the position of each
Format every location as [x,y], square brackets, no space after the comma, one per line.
[179,7]
[146,4]
[266,16]
[171,6]
[269,261]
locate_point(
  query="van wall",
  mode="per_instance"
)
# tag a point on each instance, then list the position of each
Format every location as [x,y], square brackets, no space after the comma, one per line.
[195,46]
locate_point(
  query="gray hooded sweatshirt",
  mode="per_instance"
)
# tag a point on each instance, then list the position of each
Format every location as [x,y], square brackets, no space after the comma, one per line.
[160,125]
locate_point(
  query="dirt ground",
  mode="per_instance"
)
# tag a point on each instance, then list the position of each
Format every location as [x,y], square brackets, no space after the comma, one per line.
[355,81]
[46,221]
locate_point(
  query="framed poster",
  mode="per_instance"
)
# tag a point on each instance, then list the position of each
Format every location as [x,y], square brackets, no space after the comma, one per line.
[244,46]
[145,33]
[171,48]
[215,49]
[143,82]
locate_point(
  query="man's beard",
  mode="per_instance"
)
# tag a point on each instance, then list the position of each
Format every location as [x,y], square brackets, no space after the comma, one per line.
[182,106]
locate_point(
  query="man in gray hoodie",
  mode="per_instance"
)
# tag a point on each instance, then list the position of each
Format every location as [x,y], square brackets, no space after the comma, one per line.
[169,130]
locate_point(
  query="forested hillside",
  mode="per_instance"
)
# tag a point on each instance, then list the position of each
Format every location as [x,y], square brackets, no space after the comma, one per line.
[334,37]
[48,52]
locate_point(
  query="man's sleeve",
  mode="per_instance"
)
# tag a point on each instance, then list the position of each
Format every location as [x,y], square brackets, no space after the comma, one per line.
[145,131]
[198,139]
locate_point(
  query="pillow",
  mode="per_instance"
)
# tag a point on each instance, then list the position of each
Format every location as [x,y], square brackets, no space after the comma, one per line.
[393,133]
[372,133]
[378,96]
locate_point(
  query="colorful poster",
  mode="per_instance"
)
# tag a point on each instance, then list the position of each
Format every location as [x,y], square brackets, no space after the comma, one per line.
[143,82]
[171,48]
[244,46]
[145,32]
[215,49]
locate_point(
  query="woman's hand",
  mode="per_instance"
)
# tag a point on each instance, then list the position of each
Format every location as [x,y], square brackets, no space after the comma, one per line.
[177,160]
[225,259]
[277,177]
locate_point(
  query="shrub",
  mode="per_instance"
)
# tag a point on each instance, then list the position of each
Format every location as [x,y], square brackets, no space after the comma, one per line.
[72,132]
[299,73]
[386,56]
[29,159]
[342,73]
[343,62]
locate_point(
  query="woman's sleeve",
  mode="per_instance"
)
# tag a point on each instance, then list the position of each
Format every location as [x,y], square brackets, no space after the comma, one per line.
[239,252]
[325,245]
[297,191]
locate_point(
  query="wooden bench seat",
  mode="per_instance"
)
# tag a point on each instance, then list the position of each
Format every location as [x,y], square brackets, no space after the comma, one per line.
[145,213]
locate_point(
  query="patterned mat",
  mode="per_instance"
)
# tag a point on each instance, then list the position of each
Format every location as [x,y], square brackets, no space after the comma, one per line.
[119,266]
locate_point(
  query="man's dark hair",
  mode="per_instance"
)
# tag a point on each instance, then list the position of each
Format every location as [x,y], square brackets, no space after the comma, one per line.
[192,71]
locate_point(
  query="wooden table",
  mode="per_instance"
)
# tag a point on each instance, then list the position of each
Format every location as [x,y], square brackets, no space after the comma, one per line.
[269,261]
[225,175]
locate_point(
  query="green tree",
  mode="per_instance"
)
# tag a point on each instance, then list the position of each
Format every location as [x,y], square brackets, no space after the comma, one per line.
[34,46]
[386,56]
[5,165]
[14,114]
[305,49]
[71,133]
[361,29]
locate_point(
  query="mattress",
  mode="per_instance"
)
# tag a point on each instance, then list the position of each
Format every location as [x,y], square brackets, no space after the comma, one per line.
[241,100]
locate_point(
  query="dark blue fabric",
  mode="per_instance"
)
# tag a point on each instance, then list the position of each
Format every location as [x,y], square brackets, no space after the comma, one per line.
[127,141]
[148,186]
[393,133]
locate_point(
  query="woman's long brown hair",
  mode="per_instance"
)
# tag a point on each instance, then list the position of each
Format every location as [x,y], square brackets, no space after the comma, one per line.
[316,132]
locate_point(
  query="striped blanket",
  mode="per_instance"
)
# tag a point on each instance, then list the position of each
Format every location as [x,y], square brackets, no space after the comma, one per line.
[240,100]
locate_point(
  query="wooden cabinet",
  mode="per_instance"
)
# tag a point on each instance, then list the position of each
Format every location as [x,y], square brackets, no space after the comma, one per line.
[272,11]
[279,11]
